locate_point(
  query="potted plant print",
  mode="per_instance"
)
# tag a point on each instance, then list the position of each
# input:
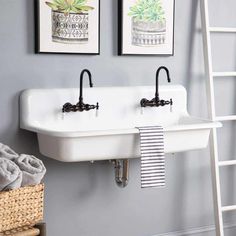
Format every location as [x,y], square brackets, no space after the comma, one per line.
[70,21]
[148,23]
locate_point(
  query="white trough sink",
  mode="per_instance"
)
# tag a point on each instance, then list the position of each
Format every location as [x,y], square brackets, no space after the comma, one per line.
[83,136]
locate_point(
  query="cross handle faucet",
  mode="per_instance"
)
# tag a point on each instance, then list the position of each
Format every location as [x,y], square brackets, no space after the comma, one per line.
[156,101]
[81,106]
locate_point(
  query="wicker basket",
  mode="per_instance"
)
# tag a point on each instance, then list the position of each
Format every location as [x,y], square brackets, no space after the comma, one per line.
[21,207]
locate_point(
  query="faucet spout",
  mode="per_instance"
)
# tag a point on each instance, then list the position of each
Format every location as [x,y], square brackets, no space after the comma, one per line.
[156,101]
[81,83]
[157,80]
[81,106]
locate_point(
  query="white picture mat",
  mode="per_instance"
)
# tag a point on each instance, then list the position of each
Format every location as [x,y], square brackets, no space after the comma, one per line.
[162,49]
[45,32]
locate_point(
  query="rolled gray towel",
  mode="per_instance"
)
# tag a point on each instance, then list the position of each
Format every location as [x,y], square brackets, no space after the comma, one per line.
[10,175]
[7,152]
[33,169]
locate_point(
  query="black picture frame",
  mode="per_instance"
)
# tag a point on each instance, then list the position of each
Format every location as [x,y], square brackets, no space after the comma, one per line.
[37,33]
[120,34]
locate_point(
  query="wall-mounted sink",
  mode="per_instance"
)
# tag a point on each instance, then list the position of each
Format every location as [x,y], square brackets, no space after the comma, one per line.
[83,136]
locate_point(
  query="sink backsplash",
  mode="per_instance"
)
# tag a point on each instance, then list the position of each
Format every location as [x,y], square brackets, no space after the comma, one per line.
[119,107]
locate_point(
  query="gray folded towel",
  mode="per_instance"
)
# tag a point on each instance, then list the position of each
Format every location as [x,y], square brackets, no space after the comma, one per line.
[10,175]
[7,152]
[33,169]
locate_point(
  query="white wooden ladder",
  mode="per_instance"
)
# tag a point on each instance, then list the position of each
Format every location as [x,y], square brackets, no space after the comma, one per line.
[215,163]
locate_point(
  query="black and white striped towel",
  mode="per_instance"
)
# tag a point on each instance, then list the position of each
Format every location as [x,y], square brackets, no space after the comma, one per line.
[152,156]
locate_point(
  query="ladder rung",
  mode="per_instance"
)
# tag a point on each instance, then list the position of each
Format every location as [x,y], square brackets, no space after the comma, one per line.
[225,118]
[224,74]
[227,163]
[228,208]
[222,30]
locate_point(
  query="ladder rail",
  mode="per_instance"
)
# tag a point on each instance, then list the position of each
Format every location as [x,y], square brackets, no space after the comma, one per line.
[216,189]
[226,118]
[208,59]
[212,115]
[229,208]
[222,29]
[224,74]
[227,163]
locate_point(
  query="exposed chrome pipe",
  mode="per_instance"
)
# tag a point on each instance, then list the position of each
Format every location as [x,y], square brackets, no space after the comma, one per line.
[121,172]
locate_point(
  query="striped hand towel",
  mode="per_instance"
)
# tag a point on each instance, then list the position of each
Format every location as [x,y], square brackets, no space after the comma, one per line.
[152,156]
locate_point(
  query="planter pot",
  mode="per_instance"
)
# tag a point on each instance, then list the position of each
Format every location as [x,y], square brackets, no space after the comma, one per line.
[70,28]
[146,33]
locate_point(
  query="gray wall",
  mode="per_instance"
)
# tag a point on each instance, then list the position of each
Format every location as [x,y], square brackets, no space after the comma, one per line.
[81,198]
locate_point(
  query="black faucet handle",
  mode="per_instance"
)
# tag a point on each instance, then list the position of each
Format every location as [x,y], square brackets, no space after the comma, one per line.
[88,107]
[143,102]
[67,107]
[171,104]
[165,102]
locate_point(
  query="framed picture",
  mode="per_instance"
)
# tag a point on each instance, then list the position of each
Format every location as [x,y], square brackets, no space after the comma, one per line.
[146,27]
[68,26]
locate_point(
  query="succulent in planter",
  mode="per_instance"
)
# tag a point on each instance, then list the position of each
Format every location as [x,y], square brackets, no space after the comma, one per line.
[148,10]
[70,6]
[148,23]
[70,21]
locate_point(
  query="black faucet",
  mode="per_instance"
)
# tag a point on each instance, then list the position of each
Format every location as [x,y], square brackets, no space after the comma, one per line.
[156,101]
[81,106]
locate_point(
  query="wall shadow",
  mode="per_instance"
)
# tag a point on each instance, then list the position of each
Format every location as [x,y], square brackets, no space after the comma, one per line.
[180,190]
[30,9]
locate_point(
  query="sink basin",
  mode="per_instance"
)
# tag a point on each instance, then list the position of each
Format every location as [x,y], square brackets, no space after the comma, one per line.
[112,133]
